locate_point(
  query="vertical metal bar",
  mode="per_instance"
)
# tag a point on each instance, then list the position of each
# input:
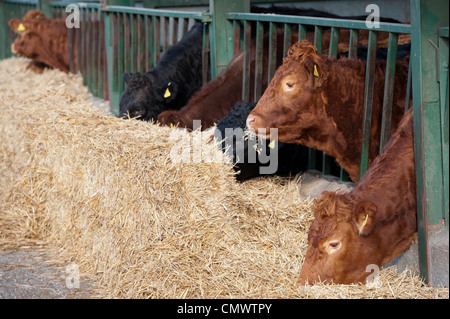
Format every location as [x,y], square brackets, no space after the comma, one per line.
[334,41]
[191,23]
[147,43]
[96,50]
[221,31]
[444,106]
[109,41]
[301,32]
[352,53]
[102,78]
[272,67]
[163,35]
[333,46]
[92,53]
[87,53]
[368,101]
[156,26]
[353,44]
[312,153]
[120,54]
[180,29]
[78,46]
[318,32]
[130,48]
[426,18]
[171,31]
[408,87]
[84,52]
[126,42]
[71,47]
[3,31]
[287,41]
[258,60]
[205,54]
[388,90]
[238,39]
[140,41]
[247,59]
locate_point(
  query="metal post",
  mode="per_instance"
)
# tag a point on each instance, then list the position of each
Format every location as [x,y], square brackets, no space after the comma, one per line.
[3,31]
[148,4]
[44,6]
[173,3]
[128,3]
[222,33]
[426,18]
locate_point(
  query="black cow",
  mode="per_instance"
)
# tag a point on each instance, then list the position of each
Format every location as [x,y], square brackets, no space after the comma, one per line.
[169,84]
[291,158]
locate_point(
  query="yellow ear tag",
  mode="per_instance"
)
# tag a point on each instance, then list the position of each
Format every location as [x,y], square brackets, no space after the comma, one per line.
[366,218]
[272,144]
[21,28]
[167,93]
[316,73]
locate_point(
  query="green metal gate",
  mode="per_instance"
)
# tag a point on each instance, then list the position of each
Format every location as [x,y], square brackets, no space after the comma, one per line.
[136,38]
[118,37]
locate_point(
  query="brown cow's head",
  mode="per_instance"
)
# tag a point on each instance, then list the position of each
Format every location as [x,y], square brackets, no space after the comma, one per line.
[28,40]
[41,39]
[290,101]
[340,241]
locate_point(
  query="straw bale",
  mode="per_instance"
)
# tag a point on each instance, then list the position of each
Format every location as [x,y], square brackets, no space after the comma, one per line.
[115,197]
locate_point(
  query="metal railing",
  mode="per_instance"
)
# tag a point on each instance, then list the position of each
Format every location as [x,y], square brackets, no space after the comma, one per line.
[136,38]
[87,46]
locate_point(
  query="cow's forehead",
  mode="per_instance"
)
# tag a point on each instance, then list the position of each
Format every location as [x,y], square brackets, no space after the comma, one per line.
[138,79]
[33,15]
[331,227]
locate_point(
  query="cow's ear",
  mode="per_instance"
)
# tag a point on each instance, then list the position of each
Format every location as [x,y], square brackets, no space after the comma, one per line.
[169,91]
[126,77]
[16,25]
[315,71]
[365,217]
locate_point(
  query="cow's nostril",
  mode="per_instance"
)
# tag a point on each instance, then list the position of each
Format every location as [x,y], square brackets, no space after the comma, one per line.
[140,112]
[250,121]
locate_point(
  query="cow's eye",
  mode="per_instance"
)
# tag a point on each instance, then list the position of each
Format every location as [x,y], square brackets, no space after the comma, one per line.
[333,246]
[290,85]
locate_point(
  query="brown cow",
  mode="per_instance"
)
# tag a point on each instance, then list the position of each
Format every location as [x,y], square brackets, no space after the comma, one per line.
[43,40]
[372,224]
[317,101]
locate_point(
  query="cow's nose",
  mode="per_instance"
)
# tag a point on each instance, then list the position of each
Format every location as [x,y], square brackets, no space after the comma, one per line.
[139,112]
[250,121]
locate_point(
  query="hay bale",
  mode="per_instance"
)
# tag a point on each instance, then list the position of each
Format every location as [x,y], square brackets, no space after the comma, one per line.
[114,197]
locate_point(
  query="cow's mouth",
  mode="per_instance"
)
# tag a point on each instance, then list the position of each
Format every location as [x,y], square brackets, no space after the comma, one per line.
[253,125]
[13,50]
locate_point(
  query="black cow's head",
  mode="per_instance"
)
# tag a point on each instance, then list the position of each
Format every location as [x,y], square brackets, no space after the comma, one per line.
[144,98]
